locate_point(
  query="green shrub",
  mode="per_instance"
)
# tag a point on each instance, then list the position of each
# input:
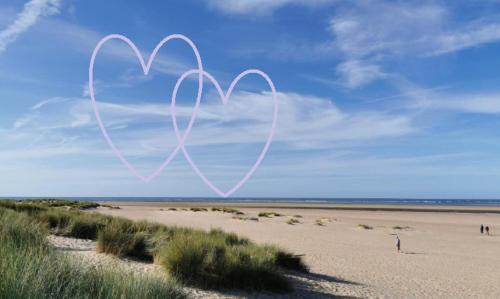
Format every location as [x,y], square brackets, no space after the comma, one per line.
[123,241]
[85,225]
[55,219]
[200,260]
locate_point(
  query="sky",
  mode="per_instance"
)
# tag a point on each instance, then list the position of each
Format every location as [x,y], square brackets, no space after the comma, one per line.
[379,99]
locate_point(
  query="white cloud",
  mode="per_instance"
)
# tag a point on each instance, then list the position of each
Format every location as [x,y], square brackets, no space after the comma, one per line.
[465,103]
[355,73]
[259,7]
[370,33]
[48,102]
[305,122]
[471,36]
[27,18]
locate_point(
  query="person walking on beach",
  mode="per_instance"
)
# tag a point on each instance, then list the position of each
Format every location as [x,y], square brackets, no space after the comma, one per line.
[487,230]
[398,244]
[482,229]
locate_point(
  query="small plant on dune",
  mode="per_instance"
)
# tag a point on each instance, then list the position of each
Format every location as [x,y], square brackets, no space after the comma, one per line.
[269,214]
[110,207]
[232,211]
[293,221]
[198,209]
[172,209]
[245,218]
[397,227]
[319,222]
[297,216]
[227,210]
[364,226]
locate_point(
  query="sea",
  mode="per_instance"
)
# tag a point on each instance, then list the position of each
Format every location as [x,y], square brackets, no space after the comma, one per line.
[377,201]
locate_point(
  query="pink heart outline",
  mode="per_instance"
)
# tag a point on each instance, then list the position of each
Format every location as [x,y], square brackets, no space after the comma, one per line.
[146,68]
[224,98]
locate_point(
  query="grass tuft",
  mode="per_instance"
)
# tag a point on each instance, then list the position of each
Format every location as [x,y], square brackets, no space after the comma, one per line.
[397,227]
[269,214]
[198,260]
[365,226]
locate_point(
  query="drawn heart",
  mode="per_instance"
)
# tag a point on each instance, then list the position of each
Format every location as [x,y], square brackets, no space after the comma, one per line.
[146,68]
[224,99]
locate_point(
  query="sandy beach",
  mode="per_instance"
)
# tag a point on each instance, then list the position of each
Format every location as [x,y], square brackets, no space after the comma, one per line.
[443,253]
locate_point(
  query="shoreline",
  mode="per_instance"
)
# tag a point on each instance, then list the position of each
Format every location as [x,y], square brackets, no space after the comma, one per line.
[314,206]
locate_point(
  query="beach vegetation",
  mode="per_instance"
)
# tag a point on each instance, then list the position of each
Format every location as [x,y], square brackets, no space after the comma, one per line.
[365,226]
[212,259]
[269,214]
[31,268]
[319,222]
[397,227]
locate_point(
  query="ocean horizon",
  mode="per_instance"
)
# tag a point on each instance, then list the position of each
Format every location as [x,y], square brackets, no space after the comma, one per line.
[377,201]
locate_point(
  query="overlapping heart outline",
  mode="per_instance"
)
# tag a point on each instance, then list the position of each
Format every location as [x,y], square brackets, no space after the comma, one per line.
[181,138]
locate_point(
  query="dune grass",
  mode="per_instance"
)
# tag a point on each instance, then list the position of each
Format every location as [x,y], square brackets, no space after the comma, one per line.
[210,262]
[213,259]
[365,226]
[198,209]
[397,227]
[269,214]
[319,222]
[73,223]
[237,217]
[293,221]
[227,210]
[30,268]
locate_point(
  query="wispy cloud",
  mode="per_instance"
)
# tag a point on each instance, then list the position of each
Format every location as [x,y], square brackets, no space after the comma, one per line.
[27,18]
[367,38]
[260,7]
[302,123]
[488,103]
[355,73]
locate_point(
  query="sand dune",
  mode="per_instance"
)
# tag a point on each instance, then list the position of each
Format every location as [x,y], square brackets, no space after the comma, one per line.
[443,254]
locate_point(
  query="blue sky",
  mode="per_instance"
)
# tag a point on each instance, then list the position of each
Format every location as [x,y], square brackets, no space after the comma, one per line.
[377,98]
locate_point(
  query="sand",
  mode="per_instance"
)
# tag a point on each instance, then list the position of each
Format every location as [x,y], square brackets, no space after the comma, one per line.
[443,254]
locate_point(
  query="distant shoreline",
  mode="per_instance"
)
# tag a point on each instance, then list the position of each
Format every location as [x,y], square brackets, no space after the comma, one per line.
[317,206]
[282,201]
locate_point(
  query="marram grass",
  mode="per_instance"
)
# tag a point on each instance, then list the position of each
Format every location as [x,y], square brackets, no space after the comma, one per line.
[30,268]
